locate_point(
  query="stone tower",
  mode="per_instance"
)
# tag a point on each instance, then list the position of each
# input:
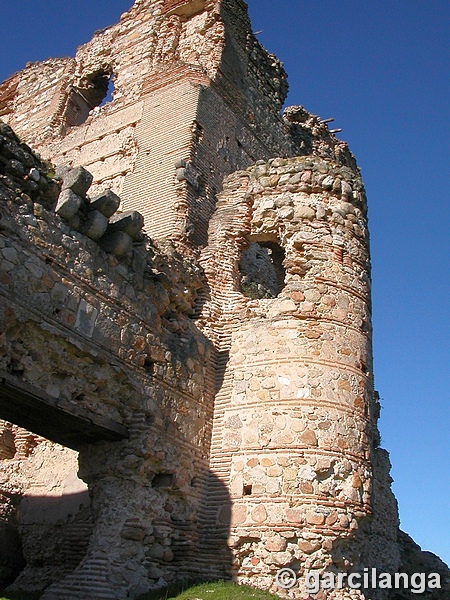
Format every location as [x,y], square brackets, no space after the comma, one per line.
[229,350]
[295,436]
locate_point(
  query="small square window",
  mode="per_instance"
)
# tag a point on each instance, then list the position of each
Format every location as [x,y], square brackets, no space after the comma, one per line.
[248,489]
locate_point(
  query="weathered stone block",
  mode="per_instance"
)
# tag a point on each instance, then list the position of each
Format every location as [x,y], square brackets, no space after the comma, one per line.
[305,212]
[346,189]
[276,544]
[62,171]
[11,255]
[95,225]
[156,551]
[130,222]
[107,203]
[75,222]
[259,514]
[327,183]
[308,547]
[34,174]
[118,243]
[294,515]
[188,173]
[134,533]
[68,204]
[282,558]
[238,515]
[315,518]
[309,437]
[78,180]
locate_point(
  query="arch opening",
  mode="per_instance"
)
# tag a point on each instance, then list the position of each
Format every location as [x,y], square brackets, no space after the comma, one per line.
[93,91]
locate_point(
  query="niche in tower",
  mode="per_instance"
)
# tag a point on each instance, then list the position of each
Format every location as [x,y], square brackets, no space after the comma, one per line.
[262,274]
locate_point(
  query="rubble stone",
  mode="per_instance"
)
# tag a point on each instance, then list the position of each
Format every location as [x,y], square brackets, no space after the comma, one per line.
[130,222]
[107,203]
[95,225]
[118,243]
[78,180]
[68,204]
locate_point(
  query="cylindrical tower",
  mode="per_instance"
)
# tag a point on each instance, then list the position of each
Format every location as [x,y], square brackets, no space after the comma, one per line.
[295,424]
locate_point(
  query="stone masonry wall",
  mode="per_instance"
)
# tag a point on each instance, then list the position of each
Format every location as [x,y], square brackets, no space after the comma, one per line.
[117,341]
[46,520]
[295,438]
[195,98]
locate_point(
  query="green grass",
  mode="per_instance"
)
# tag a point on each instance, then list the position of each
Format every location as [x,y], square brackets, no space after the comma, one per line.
[213,591]
[206,591]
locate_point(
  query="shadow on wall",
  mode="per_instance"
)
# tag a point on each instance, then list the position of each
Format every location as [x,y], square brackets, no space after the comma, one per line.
[50,544]
[390,569]
[215,521]
[48,539]
[11,555]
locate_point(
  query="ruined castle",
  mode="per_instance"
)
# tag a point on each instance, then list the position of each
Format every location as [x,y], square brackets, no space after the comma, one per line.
[186,380]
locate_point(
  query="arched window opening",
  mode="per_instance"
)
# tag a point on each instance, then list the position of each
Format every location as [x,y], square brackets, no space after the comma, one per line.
[94,90]
[262,270]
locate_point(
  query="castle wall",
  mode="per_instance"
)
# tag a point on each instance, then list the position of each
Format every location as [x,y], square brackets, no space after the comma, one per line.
[163,59]
[111,339]
[231,341]
[189,106]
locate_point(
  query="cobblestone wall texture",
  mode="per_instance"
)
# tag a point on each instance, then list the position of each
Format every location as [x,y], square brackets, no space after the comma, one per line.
[207,291]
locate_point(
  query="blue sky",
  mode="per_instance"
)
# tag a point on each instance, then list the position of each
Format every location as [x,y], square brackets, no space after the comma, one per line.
[382,70]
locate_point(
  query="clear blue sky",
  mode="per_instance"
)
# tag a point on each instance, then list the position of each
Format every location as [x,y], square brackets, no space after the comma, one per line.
[381,68]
